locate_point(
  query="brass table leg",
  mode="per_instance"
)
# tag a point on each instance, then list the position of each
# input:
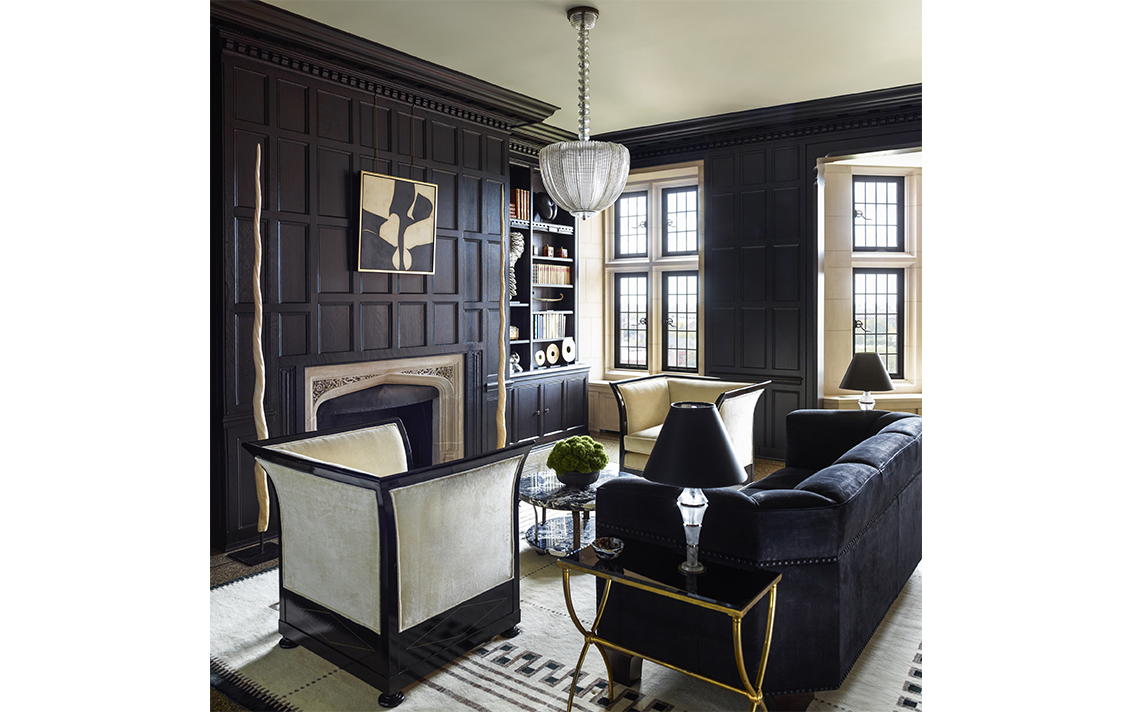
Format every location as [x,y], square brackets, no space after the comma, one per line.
[588,635]
[755,692]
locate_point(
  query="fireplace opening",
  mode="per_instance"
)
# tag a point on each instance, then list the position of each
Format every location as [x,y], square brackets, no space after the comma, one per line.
[413,404]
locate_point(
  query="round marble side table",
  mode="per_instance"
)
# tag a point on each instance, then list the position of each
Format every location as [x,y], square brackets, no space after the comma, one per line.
[562,535]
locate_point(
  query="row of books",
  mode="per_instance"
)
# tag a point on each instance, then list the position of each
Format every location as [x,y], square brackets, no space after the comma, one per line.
[549,325]
[520,204]
[551,274]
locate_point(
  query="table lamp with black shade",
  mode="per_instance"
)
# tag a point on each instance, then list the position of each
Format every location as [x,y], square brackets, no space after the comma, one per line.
[693,451]
[866,373]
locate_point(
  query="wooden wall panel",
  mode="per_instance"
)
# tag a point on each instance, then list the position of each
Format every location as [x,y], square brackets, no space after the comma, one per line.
[318,127]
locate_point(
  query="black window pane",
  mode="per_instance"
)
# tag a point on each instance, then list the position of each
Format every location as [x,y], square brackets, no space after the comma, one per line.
[878,312]
[632,238]
[681,297]
[878,213]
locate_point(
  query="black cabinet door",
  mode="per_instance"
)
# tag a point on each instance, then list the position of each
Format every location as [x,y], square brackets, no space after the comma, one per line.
[553,407]
[527,420]
[577,403]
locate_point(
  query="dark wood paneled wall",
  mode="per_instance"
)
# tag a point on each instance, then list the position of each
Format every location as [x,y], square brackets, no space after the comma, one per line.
[761,248]
[318,124]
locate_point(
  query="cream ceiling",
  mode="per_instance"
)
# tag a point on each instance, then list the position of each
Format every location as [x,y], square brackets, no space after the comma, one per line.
[652,61]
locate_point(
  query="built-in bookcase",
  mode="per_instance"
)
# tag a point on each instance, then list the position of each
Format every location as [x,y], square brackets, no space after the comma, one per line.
[542,313]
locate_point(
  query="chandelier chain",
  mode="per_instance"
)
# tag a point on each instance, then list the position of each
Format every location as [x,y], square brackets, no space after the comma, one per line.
[583,82]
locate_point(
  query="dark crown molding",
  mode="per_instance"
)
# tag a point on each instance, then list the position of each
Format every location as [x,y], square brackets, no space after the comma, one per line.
[840,113]
[271,33]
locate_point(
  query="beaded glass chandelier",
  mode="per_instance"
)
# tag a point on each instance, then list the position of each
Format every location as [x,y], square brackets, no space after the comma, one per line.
[584,177]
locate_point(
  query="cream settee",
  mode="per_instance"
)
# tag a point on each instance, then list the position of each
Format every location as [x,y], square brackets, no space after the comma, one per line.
[386,572]
[643,404]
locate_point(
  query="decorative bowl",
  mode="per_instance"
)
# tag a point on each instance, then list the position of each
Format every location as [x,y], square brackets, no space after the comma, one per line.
[577,479]
[608,547]
[545,207]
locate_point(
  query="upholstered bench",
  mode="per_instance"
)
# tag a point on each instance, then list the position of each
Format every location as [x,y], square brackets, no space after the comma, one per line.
[643,404]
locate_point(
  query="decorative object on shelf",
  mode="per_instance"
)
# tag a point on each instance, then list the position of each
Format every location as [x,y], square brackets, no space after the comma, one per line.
[552,354]
[516,367]
[562,252]
[517,245]
[866,373]
[568,348]
[608,547]
[540,357]
[693,451]
[584,177]
[398,225]
[559,298]
[548,251]
[514,333]
[577,461]
[545,207]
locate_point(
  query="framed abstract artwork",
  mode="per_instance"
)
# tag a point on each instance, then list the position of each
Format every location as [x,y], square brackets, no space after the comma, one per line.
[397,229]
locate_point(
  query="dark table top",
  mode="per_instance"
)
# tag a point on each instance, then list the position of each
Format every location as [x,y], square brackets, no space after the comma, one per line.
[655,568]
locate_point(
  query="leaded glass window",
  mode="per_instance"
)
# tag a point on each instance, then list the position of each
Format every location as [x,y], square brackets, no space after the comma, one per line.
[681,220]
[681,295]
[631,238]
[632,300]
[878,213]
[878,314]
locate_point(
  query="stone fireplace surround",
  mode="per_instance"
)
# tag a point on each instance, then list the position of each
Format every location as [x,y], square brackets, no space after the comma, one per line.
[444,373]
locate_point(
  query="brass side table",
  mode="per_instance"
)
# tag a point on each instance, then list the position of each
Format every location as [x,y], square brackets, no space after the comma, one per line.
[730,591]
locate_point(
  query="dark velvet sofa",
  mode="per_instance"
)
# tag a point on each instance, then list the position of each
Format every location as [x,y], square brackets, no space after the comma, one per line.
[841,522]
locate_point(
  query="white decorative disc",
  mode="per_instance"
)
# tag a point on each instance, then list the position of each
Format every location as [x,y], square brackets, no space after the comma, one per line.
[552,353]
[540,357]
[568,354]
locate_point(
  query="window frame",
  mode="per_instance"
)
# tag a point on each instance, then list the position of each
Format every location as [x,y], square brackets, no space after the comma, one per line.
[664,193]
[900,240]
[656,263]
[901,323]
[617,225]
[618,331]
[666,321]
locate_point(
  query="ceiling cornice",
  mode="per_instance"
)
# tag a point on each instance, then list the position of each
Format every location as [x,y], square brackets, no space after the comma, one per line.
[896,105]
[300,35]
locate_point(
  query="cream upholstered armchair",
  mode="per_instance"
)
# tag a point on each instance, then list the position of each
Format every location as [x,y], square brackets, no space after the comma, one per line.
[643,404]
[390,573]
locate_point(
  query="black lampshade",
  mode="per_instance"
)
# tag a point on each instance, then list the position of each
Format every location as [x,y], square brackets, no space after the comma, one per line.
[693,450]
[866,372]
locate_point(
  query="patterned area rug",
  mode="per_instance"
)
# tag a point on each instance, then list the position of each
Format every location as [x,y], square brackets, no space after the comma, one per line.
[530,672]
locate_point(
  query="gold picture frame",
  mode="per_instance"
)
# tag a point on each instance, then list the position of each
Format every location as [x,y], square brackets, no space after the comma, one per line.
[397,225]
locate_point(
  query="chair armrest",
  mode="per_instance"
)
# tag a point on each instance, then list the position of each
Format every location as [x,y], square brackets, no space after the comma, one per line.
[643,402]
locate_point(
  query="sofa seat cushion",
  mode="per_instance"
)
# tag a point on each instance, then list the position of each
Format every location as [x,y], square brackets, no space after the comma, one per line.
[642,441]
[785,479]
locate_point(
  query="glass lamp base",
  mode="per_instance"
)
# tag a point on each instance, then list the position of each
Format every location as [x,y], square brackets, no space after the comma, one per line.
[691,567]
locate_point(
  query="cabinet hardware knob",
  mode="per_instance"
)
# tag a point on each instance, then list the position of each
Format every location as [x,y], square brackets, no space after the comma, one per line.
[547,410]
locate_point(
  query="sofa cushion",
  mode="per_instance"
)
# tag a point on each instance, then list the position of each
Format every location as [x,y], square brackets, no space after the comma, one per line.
[786,479]
[642,441]
[839,482]
[787,499]
[877,450]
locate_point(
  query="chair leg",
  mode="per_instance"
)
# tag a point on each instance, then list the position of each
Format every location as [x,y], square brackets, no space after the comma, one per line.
[391,699]
[287,643]
[510,632]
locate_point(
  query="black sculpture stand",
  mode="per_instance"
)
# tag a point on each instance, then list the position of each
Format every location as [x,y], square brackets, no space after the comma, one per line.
[252,556]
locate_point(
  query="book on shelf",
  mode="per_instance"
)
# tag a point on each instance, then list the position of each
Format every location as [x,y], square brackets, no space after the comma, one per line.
[520,204]
[552,274]
[549,325]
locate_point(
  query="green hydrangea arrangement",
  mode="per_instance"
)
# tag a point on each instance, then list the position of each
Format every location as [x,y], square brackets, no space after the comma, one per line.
[580,453]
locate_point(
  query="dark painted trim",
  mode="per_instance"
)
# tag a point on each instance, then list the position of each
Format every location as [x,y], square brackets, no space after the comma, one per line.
[809,118]
[278,29]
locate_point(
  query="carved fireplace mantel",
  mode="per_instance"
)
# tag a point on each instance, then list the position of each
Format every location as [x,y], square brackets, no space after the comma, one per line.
[444,373]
